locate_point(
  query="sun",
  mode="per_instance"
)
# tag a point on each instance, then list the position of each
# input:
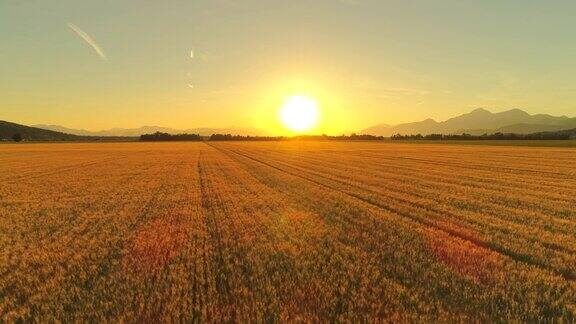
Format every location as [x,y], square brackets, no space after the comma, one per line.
[299,113]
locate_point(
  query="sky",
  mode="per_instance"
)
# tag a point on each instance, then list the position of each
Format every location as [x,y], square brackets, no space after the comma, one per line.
[223,63]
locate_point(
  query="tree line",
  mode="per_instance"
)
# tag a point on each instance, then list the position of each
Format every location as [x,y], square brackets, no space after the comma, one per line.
[352,137]
[159,137]
[164,137]
[495,136]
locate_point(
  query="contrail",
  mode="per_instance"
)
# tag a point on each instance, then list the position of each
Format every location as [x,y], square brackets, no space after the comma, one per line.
[88,40]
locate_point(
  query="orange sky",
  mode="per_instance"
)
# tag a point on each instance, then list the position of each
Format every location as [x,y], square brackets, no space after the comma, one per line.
[102,64]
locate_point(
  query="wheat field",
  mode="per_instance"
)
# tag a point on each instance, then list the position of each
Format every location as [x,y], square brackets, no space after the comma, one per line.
[286,231]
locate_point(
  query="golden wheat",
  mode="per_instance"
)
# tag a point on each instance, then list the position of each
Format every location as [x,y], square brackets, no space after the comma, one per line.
[311,231]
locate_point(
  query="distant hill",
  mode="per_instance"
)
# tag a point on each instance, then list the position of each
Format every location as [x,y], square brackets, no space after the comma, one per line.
[480,121]
[135,132]
[8,130]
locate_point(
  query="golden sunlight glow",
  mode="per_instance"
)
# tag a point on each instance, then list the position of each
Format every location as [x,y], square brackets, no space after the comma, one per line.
[299,113]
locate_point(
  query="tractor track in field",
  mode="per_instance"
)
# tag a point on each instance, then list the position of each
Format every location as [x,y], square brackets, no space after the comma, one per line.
[427,195]
[527,259]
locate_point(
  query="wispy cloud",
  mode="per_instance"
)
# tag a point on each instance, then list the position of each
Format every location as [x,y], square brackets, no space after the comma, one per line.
[88,40]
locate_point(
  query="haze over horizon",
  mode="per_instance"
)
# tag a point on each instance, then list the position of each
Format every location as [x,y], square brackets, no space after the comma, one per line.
[100,64]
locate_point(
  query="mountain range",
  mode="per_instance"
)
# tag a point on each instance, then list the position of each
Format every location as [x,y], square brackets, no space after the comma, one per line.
[477,122]
[135,132]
